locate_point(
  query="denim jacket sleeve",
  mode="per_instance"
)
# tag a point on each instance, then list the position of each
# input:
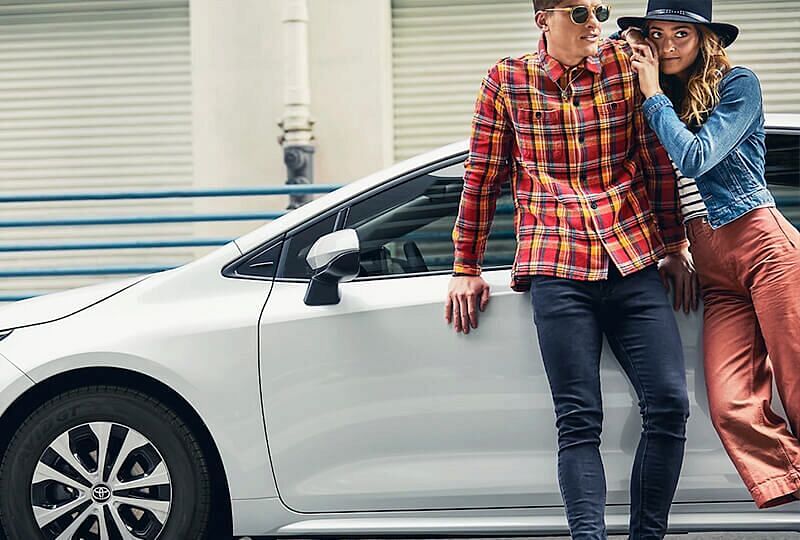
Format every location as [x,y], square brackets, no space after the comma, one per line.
[732,120]
[660,181]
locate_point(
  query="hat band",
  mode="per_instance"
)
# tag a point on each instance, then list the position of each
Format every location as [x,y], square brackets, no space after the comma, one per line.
[689,14]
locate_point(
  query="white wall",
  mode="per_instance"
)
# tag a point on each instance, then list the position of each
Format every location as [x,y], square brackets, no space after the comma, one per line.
[238,64]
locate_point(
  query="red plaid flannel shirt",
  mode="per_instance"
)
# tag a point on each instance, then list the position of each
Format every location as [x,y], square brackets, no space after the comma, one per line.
[591,182]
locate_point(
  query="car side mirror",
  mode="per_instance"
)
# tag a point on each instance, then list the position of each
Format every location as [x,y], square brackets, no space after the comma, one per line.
[334,259]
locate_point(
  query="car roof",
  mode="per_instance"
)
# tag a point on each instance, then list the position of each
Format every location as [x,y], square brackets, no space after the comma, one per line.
[297,217]
[782,120]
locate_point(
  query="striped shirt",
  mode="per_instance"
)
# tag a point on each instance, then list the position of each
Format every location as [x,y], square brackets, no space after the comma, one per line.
[692,204]
[592,185]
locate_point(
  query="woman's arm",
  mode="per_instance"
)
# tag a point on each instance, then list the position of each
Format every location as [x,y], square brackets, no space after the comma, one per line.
[732,120]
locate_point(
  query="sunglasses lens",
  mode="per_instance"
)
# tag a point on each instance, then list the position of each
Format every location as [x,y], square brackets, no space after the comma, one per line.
[602,13]
[580,14]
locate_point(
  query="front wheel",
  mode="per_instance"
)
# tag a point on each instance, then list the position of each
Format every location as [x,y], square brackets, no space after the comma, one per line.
[104,462]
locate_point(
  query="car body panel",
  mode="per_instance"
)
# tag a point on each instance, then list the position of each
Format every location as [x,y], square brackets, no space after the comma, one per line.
[13,382]
[47,308]
[153,328]
[439,420]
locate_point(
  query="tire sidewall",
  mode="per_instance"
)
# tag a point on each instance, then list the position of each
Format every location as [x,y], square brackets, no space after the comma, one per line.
[151,419]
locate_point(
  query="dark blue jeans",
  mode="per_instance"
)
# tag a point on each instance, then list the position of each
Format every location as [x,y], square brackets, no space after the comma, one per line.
[635,315]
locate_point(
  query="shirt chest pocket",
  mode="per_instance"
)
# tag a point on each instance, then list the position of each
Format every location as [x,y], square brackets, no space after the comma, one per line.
[614,114]
[540,134]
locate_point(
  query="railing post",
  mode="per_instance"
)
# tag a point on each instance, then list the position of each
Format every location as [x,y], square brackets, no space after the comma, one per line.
[298,150]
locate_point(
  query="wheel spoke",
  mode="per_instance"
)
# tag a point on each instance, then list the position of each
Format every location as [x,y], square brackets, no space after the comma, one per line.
[61,447]
[159,508]
[102,526]
[123,530]
[158,477]
[44,516]
[102,430]
[45,472]
[132,441]
[80,520]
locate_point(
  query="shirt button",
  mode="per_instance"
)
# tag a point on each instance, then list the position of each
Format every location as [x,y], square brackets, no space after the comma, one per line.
[581,139]
[594,205]
[576,102]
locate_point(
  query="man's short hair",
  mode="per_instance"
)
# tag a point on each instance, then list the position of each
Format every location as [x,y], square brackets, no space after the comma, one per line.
[539,5]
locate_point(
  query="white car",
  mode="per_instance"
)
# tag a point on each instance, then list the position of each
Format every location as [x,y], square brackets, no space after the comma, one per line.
[248,393]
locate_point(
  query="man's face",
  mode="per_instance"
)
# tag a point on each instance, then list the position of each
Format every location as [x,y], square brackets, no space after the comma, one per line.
[569,41]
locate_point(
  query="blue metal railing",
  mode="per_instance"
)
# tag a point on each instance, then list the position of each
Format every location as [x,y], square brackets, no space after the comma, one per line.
[169,194]
[139,220]
[791,202]
[130,220]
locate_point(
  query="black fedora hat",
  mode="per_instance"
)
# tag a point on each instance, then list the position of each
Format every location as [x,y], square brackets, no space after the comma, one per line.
[689,11]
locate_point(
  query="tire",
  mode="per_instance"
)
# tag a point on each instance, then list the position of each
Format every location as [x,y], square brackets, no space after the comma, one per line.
[152,460]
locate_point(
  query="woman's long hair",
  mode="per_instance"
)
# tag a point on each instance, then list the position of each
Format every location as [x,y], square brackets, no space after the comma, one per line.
[695,100]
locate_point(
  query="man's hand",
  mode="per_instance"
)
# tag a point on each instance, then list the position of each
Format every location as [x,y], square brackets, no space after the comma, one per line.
[633,36]
[678,268]
[465,295]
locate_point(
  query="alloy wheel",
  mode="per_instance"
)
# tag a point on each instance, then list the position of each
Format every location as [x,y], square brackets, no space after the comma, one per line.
[101,481]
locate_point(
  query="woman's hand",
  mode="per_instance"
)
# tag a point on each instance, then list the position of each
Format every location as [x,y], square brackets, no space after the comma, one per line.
[678,270]
[645,62]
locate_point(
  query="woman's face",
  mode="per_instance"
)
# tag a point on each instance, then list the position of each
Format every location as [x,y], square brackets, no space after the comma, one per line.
[678,45]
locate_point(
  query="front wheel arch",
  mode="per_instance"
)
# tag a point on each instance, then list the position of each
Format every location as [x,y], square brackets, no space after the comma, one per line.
[222,525]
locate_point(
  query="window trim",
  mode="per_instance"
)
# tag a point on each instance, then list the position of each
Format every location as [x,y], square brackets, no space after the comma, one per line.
[229,270]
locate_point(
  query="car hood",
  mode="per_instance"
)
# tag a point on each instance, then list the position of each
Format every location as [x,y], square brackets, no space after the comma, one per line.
[51,307]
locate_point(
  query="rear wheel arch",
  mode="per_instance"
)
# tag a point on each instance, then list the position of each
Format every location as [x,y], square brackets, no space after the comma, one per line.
[44,390]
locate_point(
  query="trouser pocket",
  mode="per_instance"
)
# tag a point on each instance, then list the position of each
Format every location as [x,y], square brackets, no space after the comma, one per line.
[786,228]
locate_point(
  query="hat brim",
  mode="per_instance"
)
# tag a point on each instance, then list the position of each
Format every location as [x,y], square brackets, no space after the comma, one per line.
[727,32]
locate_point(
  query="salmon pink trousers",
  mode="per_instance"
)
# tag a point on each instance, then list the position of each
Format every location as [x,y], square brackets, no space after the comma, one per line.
[749,273]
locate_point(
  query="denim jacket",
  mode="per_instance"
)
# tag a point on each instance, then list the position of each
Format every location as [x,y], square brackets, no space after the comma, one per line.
[726,155]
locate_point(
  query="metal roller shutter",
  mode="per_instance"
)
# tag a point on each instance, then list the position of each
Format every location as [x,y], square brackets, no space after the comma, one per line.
[442,49]
[94,95]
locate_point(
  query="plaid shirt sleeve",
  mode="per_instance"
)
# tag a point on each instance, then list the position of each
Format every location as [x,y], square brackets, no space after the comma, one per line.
[660,181]
[487,167]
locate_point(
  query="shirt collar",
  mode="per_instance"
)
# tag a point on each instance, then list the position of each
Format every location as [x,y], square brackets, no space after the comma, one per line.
[555,69]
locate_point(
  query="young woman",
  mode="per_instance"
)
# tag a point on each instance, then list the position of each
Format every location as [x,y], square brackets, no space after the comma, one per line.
[709,117]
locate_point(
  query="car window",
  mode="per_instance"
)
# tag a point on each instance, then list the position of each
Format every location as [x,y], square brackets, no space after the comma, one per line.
[296,247]
[407,229]
[262,264]
[783,173]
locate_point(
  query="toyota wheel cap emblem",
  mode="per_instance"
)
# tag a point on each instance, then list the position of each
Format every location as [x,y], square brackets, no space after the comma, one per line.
[101,493]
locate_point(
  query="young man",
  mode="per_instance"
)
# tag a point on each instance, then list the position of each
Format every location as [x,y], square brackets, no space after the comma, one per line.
[565,125]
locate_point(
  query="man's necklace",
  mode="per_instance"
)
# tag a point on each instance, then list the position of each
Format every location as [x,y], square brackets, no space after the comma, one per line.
[565,90]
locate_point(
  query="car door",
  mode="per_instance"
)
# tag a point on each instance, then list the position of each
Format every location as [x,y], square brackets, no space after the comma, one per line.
[376,404]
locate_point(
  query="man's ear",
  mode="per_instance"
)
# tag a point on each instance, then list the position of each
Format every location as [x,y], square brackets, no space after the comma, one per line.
[541,20]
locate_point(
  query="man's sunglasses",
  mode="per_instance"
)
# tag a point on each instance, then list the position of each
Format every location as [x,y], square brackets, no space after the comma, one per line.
[580,14]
